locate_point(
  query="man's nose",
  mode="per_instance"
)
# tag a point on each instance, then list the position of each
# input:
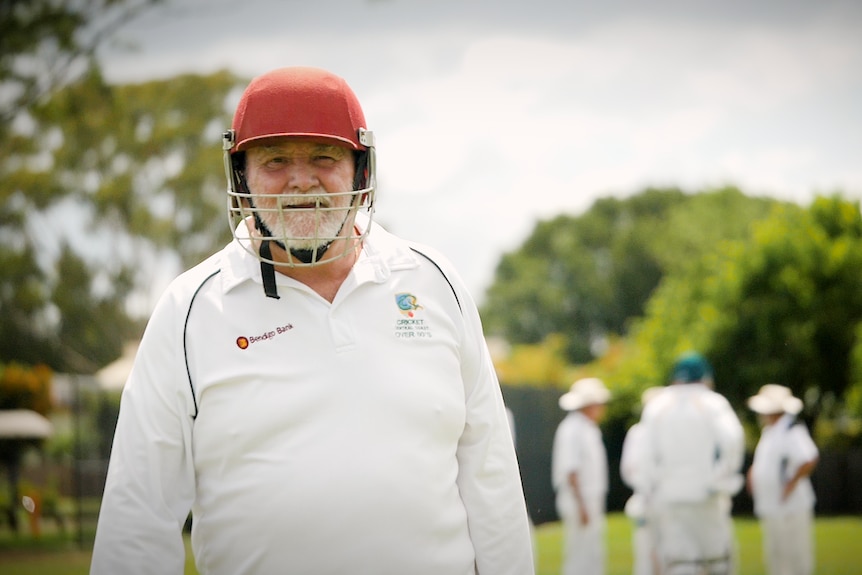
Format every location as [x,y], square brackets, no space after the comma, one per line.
[302,175]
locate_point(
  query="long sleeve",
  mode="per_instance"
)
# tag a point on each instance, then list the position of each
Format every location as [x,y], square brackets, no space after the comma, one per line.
[731,440]
[629,464]
[150,483]
[489,479]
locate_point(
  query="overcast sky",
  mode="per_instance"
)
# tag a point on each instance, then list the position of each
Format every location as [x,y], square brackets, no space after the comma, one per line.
[492,114]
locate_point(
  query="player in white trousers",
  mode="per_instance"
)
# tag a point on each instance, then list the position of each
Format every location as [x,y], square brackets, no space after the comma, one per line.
[580,477]
[693,448]
[636,506]
[780,484]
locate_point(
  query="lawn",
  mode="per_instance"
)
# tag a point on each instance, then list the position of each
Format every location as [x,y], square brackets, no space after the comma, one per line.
[838,543]
[838,546]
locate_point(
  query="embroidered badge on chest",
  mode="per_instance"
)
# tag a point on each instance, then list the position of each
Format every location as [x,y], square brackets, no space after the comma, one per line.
[410,324]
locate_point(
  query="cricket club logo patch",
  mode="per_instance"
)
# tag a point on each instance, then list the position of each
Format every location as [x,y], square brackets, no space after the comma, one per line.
[409,326]
[407,303]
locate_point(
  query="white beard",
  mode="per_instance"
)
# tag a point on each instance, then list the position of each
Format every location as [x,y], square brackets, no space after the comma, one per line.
[306,228]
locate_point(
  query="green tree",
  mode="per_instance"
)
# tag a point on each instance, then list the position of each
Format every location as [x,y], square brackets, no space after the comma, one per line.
[795,314]
[587,277]
[782,307]
[24,387]
[108,182]
[46,45]
[535,365]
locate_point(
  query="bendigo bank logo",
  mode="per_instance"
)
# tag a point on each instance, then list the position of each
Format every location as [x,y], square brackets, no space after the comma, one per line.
[244,342]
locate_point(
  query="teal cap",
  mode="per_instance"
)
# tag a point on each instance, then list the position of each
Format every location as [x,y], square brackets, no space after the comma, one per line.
[691,368]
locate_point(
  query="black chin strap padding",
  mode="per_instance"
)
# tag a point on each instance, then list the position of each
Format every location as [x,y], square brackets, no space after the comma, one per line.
[267,271]
[360,177]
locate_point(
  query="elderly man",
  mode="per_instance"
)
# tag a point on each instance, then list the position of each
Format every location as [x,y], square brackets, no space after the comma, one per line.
[580,477]
[779,482]
[318,393]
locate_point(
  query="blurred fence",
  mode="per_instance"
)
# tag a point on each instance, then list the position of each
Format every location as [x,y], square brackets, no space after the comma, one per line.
[60,485]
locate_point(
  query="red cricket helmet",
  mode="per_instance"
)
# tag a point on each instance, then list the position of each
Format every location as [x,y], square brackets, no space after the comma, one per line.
[301,102]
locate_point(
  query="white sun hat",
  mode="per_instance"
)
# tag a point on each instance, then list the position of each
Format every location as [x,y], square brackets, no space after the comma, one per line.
[584,392]
[772,399]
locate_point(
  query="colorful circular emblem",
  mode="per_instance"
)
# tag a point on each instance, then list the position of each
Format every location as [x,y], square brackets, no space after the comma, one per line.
[407,303]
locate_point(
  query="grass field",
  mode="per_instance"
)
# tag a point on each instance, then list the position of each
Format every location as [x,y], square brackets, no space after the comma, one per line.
[838,546]
[838,542]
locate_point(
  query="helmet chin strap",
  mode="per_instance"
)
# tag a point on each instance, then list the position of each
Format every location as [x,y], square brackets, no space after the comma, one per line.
[267,271]
[305,255]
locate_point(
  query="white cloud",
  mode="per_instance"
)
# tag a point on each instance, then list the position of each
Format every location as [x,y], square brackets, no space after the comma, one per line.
[486,124]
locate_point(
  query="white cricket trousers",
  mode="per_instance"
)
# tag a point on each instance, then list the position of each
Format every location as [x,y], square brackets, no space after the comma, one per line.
[693,537]
[788,547]
[643,555]
[583,545]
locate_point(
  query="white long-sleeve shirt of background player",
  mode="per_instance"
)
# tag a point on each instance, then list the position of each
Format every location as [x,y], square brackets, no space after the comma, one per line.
[363,436]
[693,445]
[782,449]
[578,448]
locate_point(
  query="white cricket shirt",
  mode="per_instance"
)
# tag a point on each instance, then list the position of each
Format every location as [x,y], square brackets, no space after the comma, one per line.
[578,448]
[692,446]
[363,436]
[782,449]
